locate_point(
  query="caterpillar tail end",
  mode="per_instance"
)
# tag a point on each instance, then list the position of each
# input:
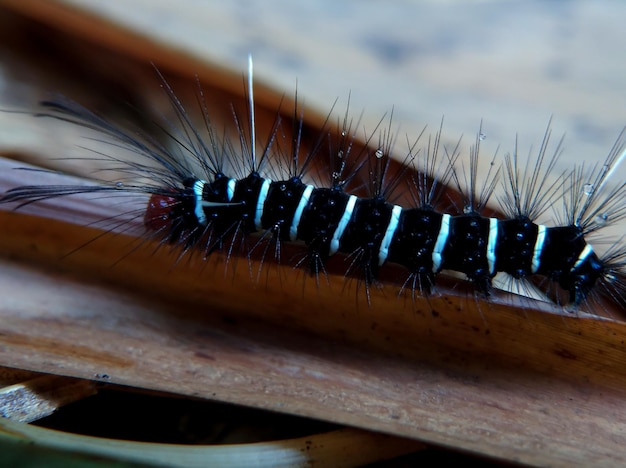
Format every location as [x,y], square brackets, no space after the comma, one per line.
[158,215]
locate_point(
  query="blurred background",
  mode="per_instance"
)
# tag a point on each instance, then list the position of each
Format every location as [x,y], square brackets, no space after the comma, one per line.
[511,64]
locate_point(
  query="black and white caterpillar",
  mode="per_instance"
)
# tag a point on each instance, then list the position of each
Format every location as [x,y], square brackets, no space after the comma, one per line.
[195,204]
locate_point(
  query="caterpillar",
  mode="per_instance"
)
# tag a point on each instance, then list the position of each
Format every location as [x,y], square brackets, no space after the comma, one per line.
[197,205]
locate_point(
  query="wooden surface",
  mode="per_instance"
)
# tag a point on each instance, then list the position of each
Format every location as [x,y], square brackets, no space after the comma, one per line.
[27,397]
[37,398]
[518,385]
[515,380]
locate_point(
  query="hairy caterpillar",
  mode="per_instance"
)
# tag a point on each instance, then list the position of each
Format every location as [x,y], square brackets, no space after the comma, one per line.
[208,193]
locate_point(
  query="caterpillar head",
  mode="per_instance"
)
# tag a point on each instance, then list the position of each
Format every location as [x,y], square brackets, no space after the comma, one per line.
[582,278]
